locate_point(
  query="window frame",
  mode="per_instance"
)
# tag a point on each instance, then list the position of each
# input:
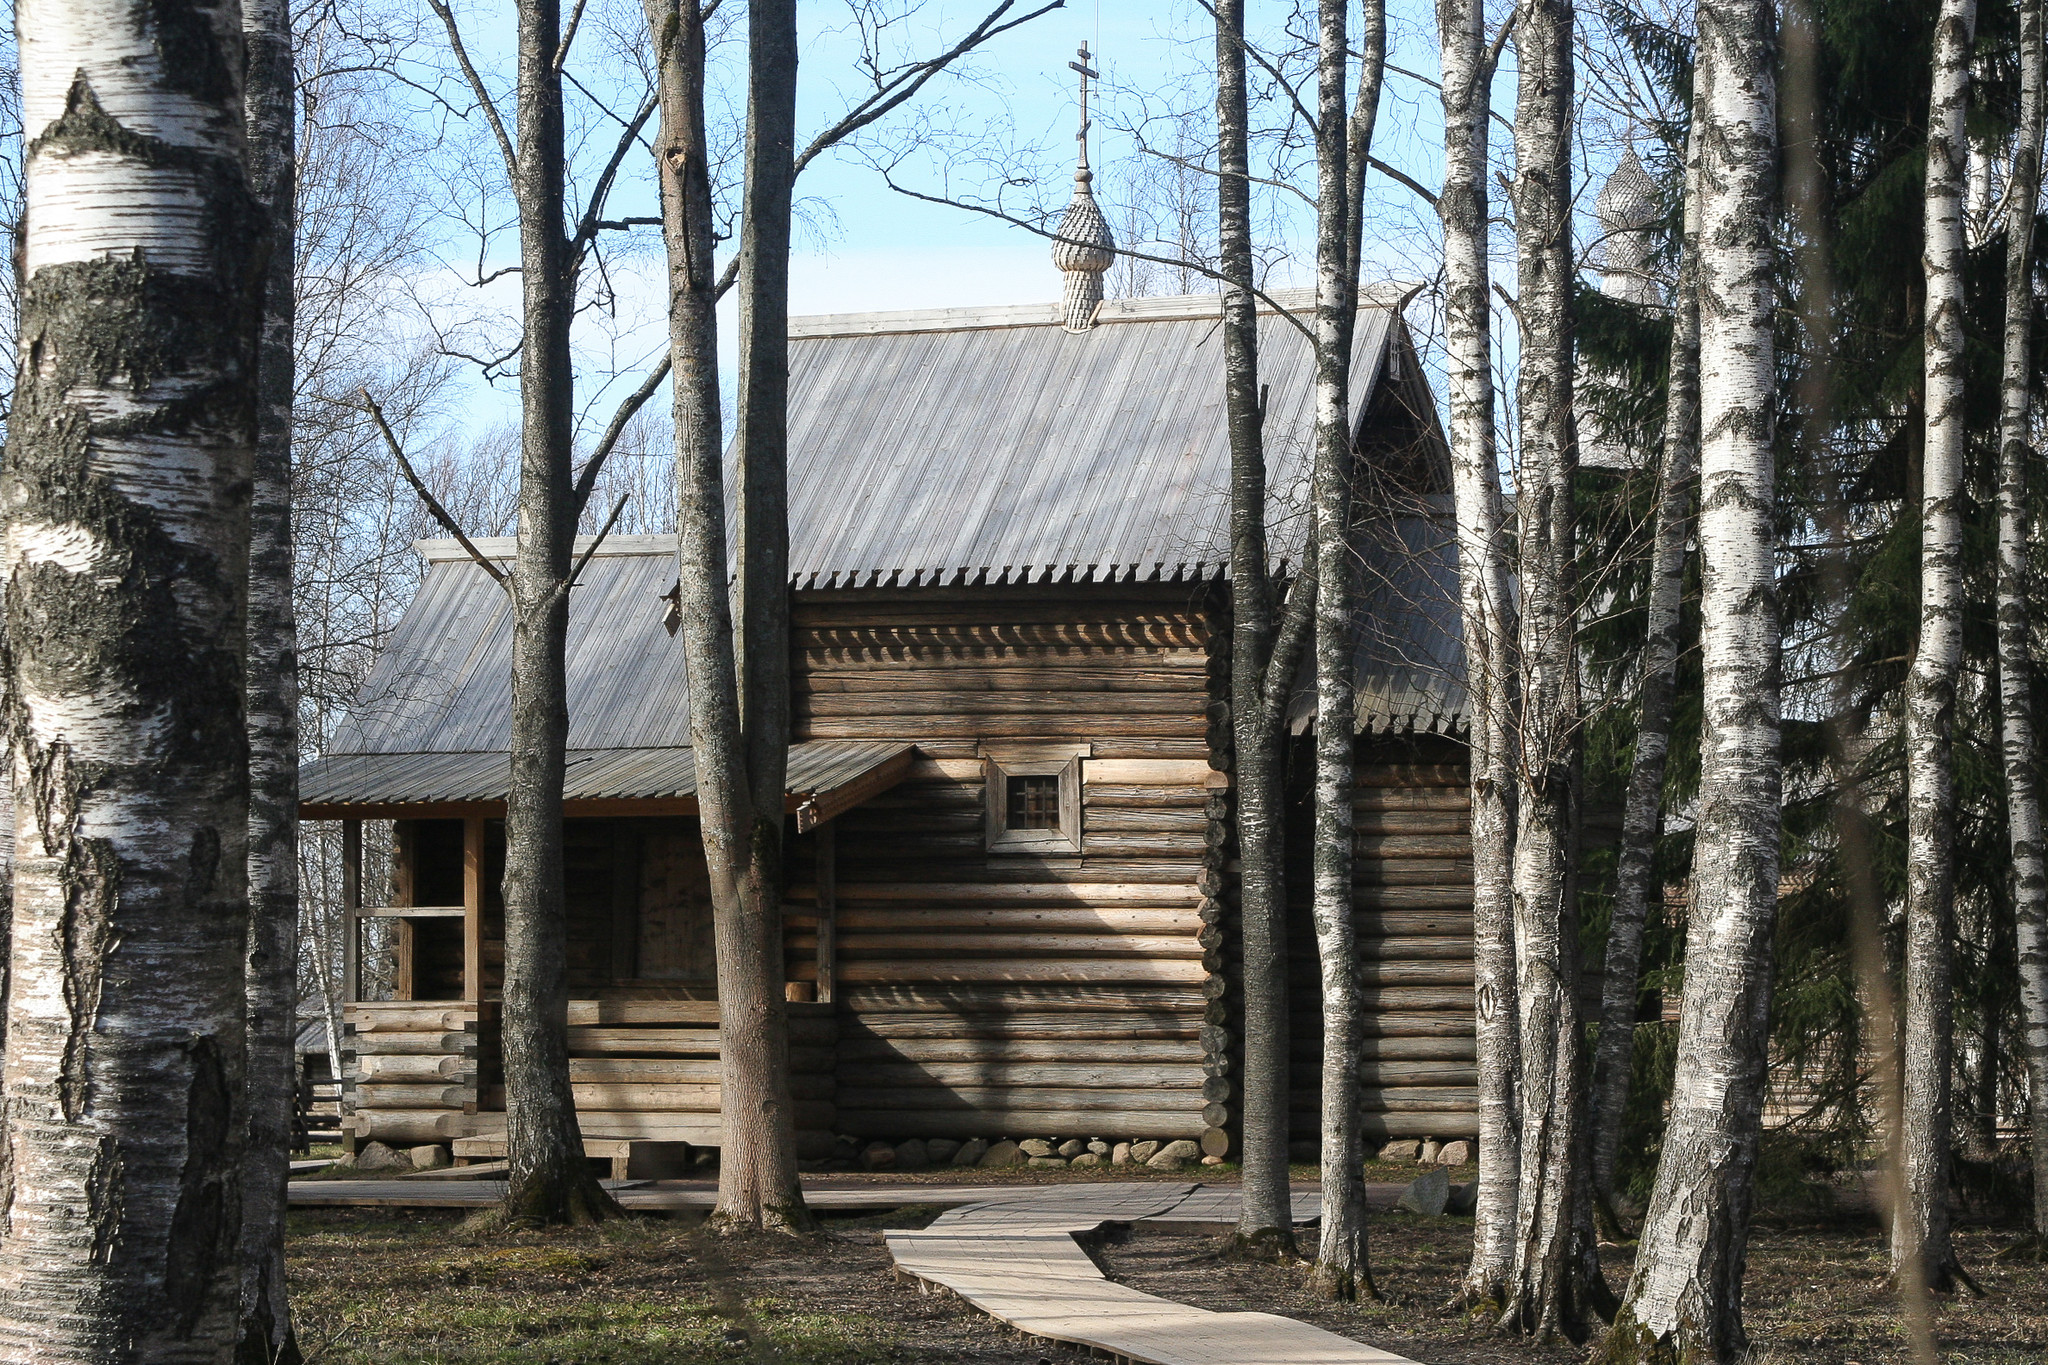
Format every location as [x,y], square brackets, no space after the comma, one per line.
[999,763]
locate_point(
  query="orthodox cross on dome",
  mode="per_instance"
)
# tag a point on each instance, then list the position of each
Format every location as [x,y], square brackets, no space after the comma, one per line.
[1083,248]
[1087,74]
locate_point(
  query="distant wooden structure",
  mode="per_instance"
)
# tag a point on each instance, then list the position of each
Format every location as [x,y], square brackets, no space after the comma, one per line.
[1010,878]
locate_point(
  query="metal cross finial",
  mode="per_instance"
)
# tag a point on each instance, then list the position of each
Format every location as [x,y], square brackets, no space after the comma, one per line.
[1087,74]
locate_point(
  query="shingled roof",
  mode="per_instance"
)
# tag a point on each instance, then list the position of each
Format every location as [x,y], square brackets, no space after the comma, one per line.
[955,446]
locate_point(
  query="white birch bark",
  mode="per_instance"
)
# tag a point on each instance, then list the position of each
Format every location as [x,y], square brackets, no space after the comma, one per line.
[126,577]
[1921,1249]
[1487,617]
[1548,1292]
[2015,632]
[1642,812]
[273,692]
[1342,1269]
[1684,1300]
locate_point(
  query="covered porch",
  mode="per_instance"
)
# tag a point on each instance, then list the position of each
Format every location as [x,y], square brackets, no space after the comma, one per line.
[424,956]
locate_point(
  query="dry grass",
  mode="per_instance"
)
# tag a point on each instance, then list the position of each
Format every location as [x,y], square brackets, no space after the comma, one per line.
[397,1287]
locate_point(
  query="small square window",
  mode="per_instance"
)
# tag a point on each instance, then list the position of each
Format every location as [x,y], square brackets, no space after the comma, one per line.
[1033,798]
[1034,803]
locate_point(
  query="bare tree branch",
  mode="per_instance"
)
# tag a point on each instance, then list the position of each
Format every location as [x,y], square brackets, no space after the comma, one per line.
[586,480]
[568,36]
[433,503]
[603,531]
[588,228]
[476,86]
[907,81]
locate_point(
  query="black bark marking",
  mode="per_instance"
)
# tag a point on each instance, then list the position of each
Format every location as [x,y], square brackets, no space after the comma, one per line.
[92,879]
[202,1233]
[6,1173]
[104,1199]
[186,36]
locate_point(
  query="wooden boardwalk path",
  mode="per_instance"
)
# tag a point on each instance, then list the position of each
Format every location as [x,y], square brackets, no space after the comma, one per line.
[1015,1257]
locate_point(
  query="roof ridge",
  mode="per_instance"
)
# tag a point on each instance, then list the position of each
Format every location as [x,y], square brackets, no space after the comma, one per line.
[1180,307]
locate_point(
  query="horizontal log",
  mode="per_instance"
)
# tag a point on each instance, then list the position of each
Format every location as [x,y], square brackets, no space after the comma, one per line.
[1449,1048]
[1134,1124]
[1368,897]
[409,1017]
[1395,847]
[1125,820]
[1392,998]
[937,1098]
[701,1130]
[691,1042]
[381,1043]
[1159,1076]
[1101,845]
[1411,798]
[1397,1100]
[1414,948]
[1132,796]
[856,946]
[1150,772]
[864,824]
[1167,1002]
[1377,922]
[1050,919]
[1391,1074]
[413,1096]
[1036,969]
[1078,1029]
[645,1070]
[413,1068]
[1024,870]
[1074,893]
[1414,872]
[1411,822]
[1412,775]
[1400,972]
[401,1127]
[1173,1051]
[1409,1022]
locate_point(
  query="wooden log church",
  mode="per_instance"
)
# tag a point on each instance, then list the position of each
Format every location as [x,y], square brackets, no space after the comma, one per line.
[1010,879]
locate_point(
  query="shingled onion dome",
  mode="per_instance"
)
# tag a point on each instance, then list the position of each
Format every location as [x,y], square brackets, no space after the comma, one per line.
[1083,252]
[1626,208]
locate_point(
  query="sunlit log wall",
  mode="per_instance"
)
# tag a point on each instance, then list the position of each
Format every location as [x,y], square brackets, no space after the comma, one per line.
[990,993]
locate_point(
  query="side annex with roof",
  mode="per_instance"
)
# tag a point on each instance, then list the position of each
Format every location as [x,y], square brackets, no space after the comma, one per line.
[1010,878]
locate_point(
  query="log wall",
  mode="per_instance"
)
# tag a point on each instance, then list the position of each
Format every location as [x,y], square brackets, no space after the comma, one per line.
[991,994]
[419,1072]
[1413,912]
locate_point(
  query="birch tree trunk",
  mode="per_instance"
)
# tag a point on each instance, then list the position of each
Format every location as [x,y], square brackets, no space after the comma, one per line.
[273,700]
[1635,879]
[1921,1247]
[2015,629]
[1265,1228]
[1684,1299]
[1343,1268]
[1486,615]
[549,1181]
[126,488]
[1546,1293]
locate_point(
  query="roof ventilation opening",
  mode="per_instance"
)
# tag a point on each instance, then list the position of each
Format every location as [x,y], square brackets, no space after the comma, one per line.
[1084,248]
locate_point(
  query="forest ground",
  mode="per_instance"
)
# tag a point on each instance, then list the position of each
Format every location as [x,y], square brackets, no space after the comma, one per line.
[402,1286]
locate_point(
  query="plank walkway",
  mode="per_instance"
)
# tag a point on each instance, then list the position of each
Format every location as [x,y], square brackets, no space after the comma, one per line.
[1015,1258]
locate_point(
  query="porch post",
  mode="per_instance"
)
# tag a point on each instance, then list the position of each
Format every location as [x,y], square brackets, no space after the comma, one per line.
[473,908]
[351,912]
[828,911]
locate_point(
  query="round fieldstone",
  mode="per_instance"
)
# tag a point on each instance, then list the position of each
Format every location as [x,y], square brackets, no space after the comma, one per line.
[1402,1149]
[1086,1159]
[1455,1153]
[1143,1151]
[940,1150]
[1098,1146]
[1004,1153]
[1427,1194]
[1120,1155]
[1047,1163]
[878,1156]
[970,1153]
[1173,1155]
[1037,1147]
[376,1156]
[912,1155]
